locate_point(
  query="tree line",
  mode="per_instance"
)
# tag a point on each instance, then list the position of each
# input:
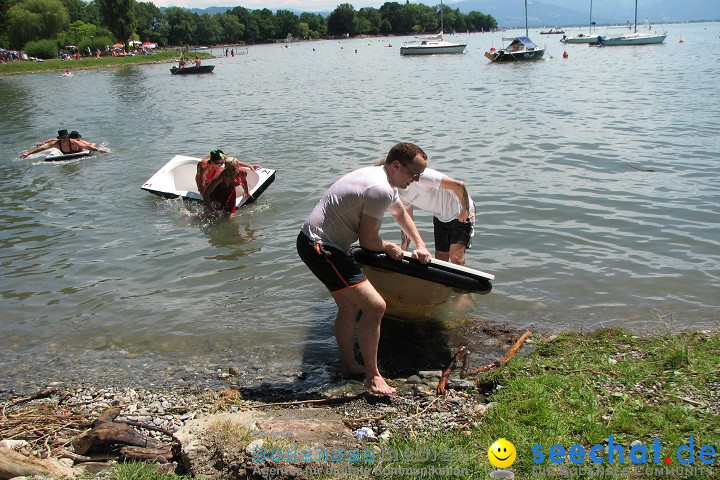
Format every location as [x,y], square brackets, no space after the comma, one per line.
[102,22]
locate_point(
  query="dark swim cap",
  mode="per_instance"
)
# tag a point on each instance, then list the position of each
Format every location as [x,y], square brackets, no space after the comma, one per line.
[216,155]
[62,134]
[75,134]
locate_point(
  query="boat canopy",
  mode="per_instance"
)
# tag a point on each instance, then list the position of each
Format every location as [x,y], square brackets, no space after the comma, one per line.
[529,45]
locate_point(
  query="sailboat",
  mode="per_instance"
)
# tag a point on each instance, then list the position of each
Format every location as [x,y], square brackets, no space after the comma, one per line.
[635,38]
[520,48]
[581,37]
[432,45]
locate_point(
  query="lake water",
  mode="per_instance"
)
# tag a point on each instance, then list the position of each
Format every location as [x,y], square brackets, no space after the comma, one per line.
[596,177]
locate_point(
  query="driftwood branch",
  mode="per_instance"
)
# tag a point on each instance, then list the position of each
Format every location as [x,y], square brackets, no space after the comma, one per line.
[511,353]
[448,371]
[14,464]
[155,455]
[106,432]
[44,393]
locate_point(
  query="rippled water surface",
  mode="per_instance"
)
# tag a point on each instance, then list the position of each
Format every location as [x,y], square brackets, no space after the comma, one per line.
[596,180]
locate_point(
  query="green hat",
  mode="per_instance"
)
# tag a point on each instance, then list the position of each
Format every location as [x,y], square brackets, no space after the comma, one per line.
[216,155]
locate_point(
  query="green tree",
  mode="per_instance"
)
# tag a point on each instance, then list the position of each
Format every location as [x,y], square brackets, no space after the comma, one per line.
[371,21]
[232,29]
[316,23]
[265,21]
[78,31]
[286,22]
[180,26]
[35,19]
[76,9]
[119,17]
[394,13]
[149,23]
[341,21]
[207,31]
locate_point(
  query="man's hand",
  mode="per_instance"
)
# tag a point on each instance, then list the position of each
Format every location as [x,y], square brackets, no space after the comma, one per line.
[423,255]
[393,251]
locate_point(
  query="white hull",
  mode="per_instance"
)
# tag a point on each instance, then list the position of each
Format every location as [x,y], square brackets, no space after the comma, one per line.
[177,179]
[634,39]
[431,48]
[581,38]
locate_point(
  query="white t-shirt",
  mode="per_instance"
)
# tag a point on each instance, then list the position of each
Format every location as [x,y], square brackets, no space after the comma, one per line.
[335,220]
[427,195]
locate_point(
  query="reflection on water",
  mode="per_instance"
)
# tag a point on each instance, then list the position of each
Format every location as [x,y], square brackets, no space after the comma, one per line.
[98,275]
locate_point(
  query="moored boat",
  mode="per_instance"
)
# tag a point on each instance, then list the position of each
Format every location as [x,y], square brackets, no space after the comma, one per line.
[192,70]
[519,49]
[634,38]
[581,37]
[432,45]
[177,179]
[552,31]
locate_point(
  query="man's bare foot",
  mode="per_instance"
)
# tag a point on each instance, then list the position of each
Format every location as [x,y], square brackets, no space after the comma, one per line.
[379,386]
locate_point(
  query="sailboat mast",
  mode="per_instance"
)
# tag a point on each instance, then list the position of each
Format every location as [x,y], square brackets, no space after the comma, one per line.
[590,16]
[635,16]
[442,27]
[526,24]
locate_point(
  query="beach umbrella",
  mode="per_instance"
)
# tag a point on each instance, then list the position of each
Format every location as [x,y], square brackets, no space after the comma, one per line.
[148,45]
[118,45]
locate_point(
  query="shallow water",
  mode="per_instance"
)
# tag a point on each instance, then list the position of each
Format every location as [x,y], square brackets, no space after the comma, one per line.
[595,177]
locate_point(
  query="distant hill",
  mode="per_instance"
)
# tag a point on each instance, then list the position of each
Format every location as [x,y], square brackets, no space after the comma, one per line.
[550,13]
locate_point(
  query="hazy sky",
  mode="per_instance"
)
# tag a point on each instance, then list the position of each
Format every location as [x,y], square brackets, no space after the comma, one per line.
[303,6]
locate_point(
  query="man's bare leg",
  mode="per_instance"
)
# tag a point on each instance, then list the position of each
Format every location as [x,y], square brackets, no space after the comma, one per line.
[372,306]
[345,333]
[457,253]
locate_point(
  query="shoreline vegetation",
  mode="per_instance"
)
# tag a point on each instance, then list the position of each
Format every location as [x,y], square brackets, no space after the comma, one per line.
[565,390]
[86,63]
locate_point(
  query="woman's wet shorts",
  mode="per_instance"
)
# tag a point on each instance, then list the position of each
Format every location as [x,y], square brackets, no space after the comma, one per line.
[333,267]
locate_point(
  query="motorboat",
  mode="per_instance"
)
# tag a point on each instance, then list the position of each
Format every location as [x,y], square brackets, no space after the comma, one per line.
[552,31]
[192,70]
[520,48]
[177,179]
[433,44]
[415,291]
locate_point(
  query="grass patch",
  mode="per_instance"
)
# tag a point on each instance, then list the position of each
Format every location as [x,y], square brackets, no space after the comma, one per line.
[579,389]
[164,56]
[137,471]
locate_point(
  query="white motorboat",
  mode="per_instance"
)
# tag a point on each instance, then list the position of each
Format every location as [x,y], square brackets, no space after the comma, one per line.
[177,179]
[432,45]
[520,48]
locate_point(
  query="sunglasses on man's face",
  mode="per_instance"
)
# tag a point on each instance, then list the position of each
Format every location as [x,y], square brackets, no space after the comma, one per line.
[415,175]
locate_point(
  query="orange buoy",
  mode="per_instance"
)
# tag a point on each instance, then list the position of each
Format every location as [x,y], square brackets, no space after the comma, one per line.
[565,54]
[682,41]
[492,49]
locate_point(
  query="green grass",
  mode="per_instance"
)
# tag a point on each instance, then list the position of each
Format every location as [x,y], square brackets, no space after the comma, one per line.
[19,66]
[579,389]
[136,471]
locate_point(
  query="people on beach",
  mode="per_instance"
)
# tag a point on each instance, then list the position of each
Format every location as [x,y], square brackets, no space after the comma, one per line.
[352,210]
[66,144]
[453,213]
[220,195]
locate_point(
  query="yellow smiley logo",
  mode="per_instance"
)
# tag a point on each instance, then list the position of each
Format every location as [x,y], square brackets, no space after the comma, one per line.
[502,453]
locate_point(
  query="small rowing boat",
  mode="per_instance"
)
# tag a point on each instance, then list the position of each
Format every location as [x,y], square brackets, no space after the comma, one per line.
[414,291]
[177,179]
[191,70]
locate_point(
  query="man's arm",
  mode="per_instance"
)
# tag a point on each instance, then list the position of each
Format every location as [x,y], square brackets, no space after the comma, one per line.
[407,224]
[42,147]
[404,239]
[458,187]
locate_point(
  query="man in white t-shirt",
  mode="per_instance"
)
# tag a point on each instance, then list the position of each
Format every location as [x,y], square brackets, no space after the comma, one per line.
[351,210]
[453,209]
